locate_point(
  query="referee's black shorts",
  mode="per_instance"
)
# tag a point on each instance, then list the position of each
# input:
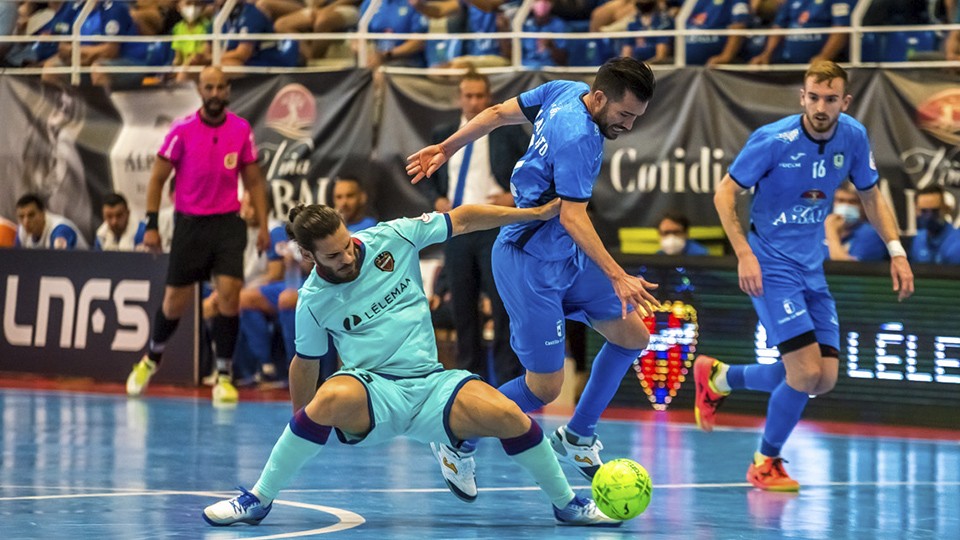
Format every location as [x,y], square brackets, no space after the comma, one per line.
[206,245]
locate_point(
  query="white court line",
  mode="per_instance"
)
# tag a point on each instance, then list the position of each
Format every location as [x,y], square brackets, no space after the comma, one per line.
[345,518]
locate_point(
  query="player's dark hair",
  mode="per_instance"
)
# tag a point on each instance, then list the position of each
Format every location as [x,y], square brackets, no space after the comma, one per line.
[31,198]
[309,223]
[677,218]
[826,71]
[618,75]
[114,199]
[931,189]
[349,178]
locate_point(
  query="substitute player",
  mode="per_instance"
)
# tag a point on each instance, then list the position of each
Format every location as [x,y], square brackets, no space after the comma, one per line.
[208,150]
[366,292]
[795,165]
[559,269]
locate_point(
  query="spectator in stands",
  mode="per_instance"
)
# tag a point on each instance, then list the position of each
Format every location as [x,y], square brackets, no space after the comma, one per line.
[952,43]
[613,16]
[807,48]
[350,201]
[118,232]
[714,15]
[937,241]
[544,52]
[106,19]
[849,236]
[245,18]
[194,22]
[40,229]
[652,50]
[478,16]
[396,16]
[319,16]
[674,231]
[154,17]
[897,46]
[8,23]
[33,18]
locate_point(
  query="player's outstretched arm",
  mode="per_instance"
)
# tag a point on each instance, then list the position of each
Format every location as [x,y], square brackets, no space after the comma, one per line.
[303,381]
[880,215]
[631,290]
[748,267]
[480,217]
[426,162]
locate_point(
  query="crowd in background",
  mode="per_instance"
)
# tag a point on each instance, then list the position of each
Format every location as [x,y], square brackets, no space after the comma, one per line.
[191,21]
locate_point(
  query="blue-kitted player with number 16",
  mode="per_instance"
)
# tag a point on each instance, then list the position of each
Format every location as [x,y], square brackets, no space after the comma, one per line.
[794,166]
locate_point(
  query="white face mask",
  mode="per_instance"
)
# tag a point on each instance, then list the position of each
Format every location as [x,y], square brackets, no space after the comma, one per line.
[850,212]
[191,13]
[672,244]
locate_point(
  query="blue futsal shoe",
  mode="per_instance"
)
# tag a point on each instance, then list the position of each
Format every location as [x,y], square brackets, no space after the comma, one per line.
[583,512]
[244,508]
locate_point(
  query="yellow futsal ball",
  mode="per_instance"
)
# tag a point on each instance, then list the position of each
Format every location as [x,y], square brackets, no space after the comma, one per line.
[622,489]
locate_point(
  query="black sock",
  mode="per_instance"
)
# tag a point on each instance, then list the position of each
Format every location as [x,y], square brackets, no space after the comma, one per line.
[225,332]
[163,328]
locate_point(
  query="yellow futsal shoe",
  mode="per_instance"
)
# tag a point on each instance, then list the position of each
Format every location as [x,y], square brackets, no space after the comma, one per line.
[224,392]
[139,377]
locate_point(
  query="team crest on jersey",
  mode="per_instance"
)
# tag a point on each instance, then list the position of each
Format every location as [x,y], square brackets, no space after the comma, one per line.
[789,136]
[384,261]
[814,197]
[230,160]
[425,218]
[838,160]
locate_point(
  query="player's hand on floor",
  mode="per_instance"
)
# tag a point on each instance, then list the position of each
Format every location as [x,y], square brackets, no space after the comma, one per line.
[751,280]
[902,277]
[632,291]
[425,162]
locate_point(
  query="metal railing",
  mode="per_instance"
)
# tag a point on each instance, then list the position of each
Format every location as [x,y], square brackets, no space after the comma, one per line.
[362,37]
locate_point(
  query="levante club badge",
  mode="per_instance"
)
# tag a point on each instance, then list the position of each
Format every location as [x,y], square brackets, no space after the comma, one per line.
[384,261]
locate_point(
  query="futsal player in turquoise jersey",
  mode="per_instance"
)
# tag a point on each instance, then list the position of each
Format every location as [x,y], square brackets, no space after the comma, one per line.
[366,292]
[559,269]
[794,165]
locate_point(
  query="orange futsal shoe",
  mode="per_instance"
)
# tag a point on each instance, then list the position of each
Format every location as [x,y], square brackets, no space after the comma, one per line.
[708,398]
[767,473]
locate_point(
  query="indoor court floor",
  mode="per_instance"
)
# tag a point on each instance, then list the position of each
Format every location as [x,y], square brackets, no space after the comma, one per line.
[99,466]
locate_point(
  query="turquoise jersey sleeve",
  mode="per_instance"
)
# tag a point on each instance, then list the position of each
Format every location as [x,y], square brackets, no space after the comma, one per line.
[311,341]
[428,229]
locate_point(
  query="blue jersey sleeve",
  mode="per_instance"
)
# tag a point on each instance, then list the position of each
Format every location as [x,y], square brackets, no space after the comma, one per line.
[740,12]
[311,342]
[531,100]
[66,233]
[840,12]
[863,170]
[576,166]
[757,158]
[423,231]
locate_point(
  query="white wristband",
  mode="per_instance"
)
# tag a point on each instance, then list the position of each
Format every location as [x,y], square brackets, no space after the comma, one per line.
[895,249]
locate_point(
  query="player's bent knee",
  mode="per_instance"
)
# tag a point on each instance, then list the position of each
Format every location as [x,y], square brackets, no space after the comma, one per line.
[338,402]
[804,380]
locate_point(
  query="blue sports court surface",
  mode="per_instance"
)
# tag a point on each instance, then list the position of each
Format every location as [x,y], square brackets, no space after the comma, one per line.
[92,466]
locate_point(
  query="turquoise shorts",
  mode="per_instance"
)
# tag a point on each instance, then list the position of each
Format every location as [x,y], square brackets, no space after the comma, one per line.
[415,407]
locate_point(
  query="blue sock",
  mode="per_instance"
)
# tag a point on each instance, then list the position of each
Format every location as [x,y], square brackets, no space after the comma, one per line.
[783,412]
[608,370]
[288,326]
[759,377]
[256,332]
[518,391]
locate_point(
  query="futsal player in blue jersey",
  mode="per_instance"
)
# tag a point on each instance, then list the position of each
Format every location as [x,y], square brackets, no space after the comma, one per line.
[366,292]
[794,166]
[556,269]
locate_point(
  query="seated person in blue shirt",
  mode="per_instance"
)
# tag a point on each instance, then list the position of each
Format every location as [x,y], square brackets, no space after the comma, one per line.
[714,15]
[937,241]
[40,229]
[807,48]
[544,52]
[898,46]
[398,17]
[849,236]
[478,16]
[674,230]
[652,50]
[247,19]
[107,19]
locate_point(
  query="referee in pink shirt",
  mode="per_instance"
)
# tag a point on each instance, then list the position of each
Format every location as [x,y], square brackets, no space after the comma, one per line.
[208,150]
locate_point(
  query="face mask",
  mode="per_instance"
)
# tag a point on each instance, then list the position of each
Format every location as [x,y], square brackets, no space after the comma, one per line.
[672,244]
[190,13]
[542,8]
[646,7]
[931,222]
[850,212]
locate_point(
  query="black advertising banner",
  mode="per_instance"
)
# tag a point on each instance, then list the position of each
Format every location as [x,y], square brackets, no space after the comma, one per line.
[310,129]
[87,314]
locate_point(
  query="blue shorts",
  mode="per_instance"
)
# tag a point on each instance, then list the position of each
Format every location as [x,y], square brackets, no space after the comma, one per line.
[794,303]
[271,291]
[539,295]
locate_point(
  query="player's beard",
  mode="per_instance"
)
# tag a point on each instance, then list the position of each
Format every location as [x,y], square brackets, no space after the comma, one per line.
[823,124]
[214,107]
[606,128]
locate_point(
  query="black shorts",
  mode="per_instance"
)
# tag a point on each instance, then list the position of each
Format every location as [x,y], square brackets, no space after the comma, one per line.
[206,245]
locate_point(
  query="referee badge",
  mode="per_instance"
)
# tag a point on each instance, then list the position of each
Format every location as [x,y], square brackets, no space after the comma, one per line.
[384,261]
[230,160]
